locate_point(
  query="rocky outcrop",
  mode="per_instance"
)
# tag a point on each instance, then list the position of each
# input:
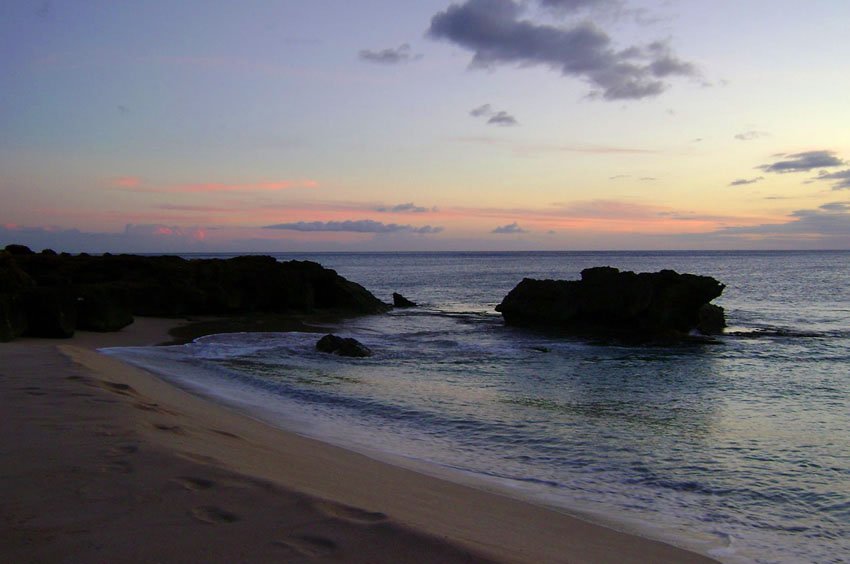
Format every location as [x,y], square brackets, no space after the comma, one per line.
[343,346]
[102,293]
[13,283]
[401,301]
[609,304]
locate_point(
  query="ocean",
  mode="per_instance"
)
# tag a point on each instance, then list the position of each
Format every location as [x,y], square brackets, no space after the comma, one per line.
[739,449]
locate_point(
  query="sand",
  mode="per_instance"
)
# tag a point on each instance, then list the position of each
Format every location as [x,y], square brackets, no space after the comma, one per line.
[104,462]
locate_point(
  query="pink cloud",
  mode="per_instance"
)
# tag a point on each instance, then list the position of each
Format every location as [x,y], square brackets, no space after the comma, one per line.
[126,182]
[245,187]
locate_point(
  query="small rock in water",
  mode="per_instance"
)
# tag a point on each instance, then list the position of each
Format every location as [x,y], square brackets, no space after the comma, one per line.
[342,346]
[401,301]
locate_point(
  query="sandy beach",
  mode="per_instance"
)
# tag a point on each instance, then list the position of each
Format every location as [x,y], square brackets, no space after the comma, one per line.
[104,462]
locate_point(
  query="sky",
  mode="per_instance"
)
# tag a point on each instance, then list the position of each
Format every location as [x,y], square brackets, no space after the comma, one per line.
[435,125]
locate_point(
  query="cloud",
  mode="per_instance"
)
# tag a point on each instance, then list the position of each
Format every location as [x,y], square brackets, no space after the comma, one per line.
[842,176]
[391,56]
[358,226]
[751,135]
[803,162]
[532,149]
[829,221]
[481,111]
[500,117]
[408,207]
[508,229]
[132,183]
[745,181]
[836,207]
[135,238]
[494,32]
[576,5]
[126,182]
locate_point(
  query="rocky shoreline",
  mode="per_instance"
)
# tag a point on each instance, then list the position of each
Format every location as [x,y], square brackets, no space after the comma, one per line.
[52,295]
[48,294]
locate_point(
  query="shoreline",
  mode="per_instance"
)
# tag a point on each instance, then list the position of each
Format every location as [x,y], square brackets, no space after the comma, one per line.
[422,512]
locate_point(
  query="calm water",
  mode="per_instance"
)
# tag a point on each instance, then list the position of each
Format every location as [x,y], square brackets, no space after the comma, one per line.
[739,449]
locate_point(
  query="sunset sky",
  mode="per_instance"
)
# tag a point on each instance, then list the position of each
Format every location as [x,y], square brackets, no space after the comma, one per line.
[325,125]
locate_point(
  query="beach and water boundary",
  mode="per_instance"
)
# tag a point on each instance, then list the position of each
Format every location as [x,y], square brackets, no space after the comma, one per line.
[128,426]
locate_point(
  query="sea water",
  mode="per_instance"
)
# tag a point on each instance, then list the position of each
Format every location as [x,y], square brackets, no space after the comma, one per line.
[739,449]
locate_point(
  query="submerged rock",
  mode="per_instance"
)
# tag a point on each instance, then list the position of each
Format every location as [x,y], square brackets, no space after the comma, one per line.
[401,301]
[609,304]
[342,346]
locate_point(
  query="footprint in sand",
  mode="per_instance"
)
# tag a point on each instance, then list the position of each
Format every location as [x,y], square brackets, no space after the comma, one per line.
[351,514]
[33,391]
[309,545]
[118,388]
[202,458]
[152,407]
[177,429]
[225,434]
[194,484]
[121,450]
[213,515]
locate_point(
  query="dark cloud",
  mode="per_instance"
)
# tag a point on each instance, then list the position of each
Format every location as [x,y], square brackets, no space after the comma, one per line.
[576,5]
[391,56]
[508,229]
[842,176]
[837,207]
[408,207]
[829,221]
[494,32]
[803,162]
[358,226]
[745,181]
[751,135]
[495,117]
[502,118]
[481,111]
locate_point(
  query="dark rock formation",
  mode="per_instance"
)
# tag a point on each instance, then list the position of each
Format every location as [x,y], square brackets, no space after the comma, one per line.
[102,308]
[13,282]
[401,301]
[342,346]
[51,312]
[13,317]
[102,293]
[711,320]
[20,250]
[609,304]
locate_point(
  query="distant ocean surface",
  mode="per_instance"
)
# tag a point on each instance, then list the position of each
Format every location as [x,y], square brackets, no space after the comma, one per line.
[740,450]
